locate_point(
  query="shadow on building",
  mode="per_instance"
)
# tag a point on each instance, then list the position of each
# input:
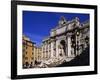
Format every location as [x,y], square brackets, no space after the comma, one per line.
[81,60]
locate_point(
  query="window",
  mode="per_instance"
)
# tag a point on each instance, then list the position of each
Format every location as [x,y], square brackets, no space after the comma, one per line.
[26,58]
[27,64]
[32,58]
[31,62]
[26,47]
[32,48]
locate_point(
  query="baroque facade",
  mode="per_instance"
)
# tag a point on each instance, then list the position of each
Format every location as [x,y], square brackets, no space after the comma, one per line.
[68,39]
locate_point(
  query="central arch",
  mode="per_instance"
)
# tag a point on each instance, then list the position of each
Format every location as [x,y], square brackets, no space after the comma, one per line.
[63,43]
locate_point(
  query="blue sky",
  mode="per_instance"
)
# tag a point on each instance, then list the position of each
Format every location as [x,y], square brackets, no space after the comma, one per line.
[37,25]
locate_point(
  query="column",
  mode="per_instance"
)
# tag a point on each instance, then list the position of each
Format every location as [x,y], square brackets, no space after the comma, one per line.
[76,44]
[57,49]
[69,46]
[52,48]
[45,50]
[49,50]
[66,45]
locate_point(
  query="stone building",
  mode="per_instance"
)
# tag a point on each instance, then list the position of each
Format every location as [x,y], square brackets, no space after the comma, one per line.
[31,53]
[68,39]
